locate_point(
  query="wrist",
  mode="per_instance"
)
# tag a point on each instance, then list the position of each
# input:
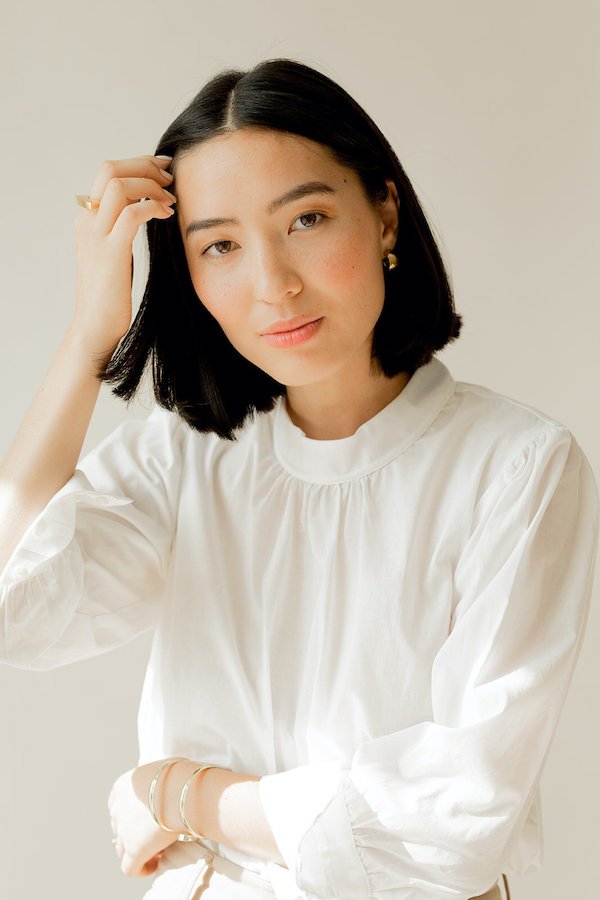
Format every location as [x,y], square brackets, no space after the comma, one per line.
[220,805]
[171,786]
[93,346]
[201,800]
[208,798]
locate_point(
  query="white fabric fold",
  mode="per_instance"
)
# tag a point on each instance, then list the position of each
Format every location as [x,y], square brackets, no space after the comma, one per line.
[430,810]
[384,627]
[87,574]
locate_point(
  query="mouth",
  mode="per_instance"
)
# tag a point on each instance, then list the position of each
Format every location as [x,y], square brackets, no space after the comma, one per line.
[290,336]
[285,326]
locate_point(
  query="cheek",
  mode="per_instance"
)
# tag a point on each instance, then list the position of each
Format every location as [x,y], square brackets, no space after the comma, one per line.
[211,289]
[357,277]
[223,303]
[348,265]
[218,299]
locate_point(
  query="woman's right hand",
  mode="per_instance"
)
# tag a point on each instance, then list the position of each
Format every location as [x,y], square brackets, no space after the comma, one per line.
[104,238]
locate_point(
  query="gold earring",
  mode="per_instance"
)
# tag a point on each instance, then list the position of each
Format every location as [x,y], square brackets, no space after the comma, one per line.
[390,261]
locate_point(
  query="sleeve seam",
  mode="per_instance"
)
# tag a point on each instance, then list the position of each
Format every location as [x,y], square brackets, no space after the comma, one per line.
[354,844]
[535,441]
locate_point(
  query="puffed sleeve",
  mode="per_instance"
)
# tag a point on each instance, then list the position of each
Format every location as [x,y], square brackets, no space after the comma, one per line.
[428,811]
[88,574]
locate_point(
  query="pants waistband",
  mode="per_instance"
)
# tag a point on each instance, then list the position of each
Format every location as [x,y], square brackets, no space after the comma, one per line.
[280,885]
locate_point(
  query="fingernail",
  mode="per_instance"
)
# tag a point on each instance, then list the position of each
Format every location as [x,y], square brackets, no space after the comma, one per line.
[163,157]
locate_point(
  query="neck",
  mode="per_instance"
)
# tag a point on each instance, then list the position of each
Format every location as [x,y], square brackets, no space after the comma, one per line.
[327,412]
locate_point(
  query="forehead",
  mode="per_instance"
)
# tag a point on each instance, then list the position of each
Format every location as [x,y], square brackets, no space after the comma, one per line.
[253,160]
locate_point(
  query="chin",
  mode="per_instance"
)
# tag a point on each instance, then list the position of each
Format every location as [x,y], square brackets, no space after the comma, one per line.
[299,375]
[295,371]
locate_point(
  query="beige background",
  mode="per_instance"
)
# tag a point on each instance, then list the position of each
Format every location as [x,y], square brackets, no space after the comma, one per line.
[492,108]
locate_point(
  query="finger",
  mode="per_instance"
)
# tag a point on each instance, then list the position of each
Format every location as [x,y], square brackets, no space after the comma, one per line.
[137,166]
[160,160]
[132,867]
[121,192]
[151,866]
[136,214]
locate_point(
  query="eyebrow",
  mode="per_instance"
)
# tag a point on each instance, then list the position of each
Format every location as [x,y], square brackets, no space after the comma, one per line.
[301,190]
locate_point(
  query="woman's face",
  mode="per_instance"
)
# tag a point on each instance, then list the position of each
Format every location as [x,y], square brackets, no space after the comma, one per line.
[316,254]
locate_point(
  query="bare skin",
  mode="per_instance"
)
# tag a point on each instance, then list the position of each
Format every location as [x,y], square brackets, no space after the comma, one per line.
[318,255]
[221,805]
[47,446]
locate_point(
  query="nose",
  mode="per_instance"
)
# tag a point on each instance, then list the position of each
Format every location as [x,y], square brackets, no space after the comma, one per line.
[275,278]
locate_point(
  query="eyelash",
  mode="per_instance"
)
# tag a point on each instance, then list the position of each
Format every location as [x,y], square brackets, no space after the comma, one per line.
[312,212]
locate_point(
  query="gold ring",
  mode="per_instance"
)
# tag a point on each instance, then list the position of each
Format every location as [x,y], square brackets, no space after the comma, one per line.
[86,201]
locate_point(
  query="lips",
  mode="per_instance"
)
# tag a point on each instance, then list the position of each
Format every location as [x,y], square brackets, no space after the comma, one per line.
[289,324]
[294,336]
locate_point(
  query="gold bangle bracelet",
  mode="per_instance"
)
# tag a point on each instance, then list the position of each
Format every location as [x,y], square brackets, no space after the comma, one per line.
[182,798]
[152,792]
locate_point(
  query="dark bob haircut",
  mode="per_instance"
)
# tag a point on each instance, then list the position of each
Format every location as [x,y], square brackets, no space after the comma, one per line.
[196,370]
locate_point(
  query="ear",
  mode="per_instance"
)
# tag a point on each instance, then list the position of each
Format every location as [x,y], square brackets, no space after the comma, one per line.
[389,214]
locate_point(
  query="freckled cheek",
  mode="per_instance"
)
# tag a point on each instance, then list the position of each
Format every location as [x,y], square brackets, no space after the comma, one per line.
[219,300]
[224,305]
[345,263]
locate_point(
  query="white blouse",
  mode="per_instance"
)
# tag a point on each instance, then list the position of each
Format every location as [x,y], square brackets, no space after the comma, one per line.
[383,626]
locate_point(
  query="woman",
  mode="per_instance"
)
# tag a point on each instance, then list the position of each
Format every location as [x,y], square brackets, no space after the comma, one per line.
[368,582]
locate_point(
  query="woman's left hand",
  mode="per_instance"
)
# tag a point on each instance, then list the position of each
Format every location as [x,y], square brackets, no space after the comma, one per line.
[138,840]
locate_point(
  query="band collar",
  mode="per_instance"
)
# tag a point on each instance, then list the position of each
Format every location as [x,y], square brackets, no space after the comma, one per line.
[376,442]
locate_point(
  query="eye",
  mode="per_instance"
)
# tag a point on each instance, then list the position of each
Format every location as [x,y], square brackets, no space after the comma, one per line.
[221,243]
[307,215]
[216,244]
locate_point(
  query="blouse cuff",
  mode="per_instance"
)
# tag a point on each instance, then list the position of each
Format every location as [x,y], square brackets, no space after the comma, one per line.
[317,841]
[40,586]
[50,533]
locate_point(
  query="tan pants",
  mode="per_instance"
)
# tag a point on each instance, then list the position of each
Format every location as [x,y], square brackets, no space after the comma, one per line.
[192,872]
[493,894]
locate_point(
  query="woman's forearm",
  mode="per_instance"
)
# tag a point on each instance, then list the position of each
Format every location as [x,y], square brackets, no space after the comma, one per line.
[46,449]
[223,806]
[47,446]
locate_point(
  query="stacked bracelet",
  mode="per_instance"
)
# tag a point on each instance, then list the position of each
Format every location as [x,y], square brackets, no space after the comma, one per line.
[182,797]
[192,835]
[151,793]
